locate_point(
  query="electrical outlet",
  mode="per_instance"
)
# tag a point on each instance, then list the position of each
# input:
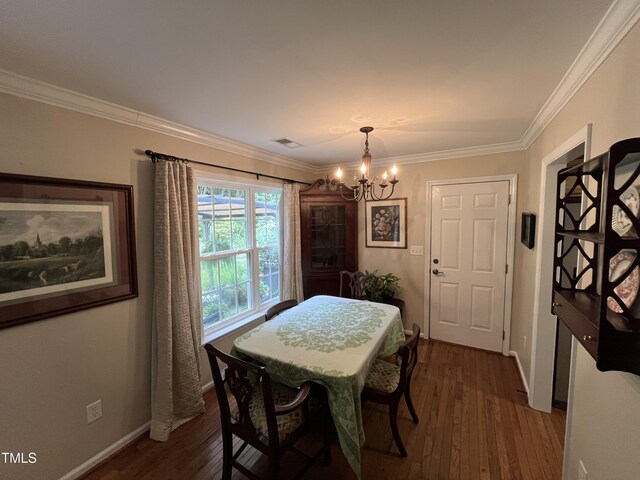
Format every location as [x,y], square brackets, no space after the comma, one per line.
[94,411]
[582,472]
[416,250]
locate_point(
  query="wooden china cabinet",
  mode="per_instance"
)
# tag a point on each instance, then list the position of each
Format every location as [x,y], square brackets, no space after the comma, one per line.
[597,256]
[329,237]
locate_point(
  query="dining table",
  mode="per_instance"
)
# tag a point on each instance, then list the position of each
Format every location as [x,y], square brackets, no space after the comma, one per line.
[331,341]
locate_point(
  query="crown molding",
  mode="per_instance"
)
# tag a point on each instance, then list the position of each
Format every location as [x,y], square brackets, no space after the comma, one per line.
[458,153]
[614,26]
[25,87]
[441,155]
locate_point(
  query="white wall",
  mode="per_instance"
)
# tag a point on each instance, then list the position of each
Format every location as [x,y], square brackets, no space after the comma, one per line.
[51,369]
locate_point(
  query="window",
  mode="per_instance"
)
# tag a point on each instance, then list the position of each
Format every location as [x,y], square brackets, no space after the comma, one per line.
[239,232]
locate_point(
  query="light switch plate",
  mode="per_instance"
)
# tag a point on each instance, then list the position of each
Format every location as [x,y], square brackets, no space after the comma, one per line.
[416,250]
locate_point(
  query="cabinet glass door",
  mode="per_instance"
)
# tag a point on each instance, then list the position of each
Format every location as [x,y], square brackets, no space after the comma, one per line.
[328,249]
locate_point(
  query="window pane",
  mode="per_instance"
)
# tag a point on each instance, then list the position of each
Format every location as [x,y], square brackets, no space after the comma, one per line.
[222,235]
[269,287]
[275,284]
[211,309]
[238,209]
[268,260]
[267,218]
[228,305]
[327,236]
[222,298]
[222,219]
[243,297]
[205,219]
[205,234]
[265,290]
[242,267]
[269,268]
[209,275]
[239,233]
[227,271]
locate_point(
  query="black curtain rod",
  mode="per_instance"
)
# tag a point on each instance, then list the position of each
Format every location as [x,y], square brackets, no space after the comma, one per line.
[155,156]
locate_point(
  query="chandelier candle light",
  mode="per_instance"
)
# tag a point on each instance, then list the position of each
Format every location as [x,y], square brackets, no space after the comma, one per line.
[364,187]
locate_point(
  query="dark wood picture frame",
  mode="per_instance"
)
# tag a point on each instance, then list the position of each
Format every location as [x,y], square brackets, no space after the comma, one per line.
[92,263]
[394,233]
[528,230]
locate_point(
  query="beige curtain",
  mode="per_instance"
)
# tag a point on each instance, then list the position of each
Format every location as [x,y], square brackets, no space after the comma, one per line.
[176,383]
[292,254]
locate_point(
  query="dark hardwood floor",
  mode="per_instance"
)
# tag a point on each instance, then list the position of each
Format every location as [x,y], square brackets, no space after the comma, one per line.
[474,424]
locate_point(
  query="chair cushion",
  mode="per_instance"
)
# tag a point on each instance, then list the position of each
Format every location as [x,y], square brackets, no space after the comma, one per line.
[383,376]
[287,423]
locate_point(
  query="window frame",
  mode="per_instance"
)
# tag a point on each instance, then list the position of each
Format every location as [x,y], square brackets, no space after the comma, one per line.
[252,250]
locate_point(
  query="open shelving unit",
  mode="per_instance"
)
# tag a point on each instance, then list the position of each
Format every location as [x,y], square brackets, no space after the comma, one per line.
[597,256]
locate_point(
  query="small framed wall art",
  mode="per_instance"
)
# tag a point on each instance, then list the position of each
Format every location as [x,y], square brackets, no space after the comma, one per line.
[386,223]
[528,229]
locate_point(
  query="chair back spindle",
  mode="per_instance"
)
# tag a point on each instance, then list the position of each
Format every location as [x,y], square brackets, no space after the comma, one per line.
[242,379]
[354,286]
[259,403]
[408,353]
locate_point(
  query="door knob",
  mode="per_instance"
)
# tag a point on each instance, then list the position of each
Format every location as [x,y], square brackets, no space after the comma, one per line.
[437,272]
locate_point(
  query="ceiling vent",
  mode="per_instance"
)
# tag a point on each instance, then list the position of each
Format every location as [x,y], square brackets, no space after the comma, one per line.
[287,143]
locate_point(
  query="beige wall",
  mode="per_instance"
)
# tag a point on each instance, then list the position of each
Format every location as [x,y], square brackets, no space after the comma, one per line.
[413,185]
[51,369]
[604,418]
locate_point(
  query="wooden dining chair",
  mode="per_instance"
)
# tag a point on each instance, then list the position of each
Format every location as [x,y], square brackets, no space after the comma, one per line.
[388,382]
[278,308]
[353,286]
[267,415]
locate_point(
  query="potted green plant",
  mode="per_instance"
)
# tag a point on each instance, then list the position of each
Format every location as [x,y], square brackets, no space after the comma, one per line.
[381,288]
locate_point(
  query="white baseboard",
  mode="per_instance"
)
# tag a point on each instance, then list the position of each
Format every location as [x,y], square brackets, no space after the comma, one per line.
[106,453]
[207,386]
[513,353]
[409,332]
[114,448]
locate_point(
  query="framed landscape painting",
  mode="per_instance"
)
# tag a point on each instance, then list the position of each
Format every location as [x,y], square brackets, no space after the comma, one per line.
[386,223]
[65,245]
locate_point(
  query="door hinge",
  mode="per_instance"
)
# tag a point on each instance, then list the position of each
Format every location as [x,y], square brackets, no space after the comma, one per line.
[503,335]
[506,268]
[509,200]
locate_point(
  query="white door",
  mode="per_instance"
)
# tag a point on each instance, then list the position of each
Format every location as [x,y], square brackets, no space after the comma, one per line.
[468,263]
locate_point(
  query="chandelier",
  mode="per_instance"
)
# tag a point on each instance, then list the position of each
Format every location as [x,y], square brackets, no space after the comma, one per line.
[364,187]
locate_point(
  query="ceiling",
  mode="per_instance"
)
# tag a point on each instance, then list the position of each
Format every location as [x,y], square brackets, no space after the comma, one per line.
[429,76]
